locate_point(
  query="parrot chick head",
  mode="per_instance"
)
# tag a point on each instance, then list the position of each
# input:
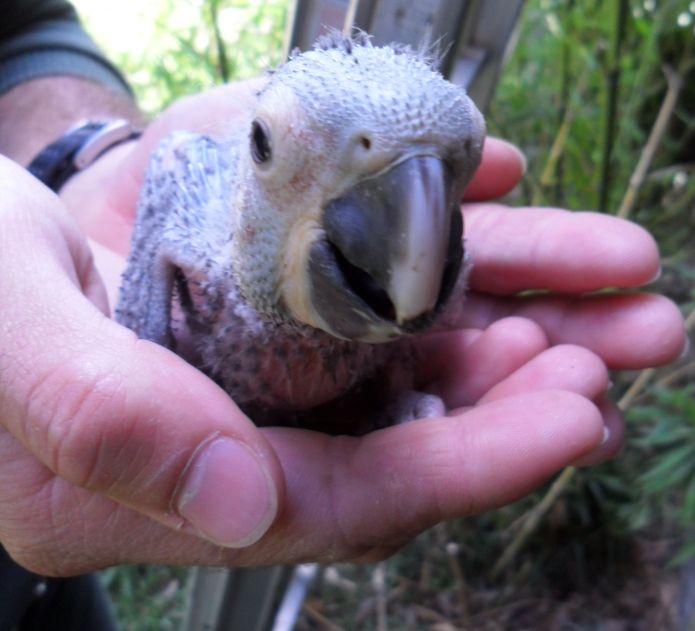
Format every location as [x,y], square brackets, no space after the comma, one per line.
[350,215]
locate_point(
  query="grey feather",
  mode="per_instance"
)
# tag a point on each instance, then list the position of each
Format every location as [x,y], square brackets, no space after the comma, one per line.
[219,269]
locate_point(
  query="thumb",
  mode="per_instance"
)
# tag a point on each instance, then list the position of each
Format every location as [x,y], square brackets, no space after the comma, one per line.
[108,412]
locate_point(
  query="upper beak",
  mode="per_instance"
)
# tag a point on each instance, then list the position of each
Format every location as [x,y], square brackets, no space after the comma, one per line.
[396,246]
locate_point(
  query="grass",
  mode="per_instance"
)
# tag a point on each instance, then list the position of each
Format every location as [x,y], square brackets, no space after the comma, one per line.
[147,598]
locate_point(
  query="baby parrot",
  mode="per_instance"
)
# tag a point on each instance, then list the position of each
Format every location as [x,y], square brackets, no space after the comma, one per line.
[295,261]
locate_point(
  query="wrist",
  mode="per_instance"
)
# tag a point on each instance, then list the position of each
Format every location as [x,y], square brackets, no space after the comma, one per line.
[78,149]
[36,113]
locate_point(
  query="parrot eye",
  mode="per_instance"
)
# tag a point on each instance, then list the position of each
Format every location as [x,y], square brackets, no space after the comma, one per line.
[260,142]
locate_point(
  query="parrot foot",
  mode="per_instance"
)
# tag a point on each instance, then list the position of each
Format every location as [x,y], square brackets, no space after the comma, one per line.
[415,405]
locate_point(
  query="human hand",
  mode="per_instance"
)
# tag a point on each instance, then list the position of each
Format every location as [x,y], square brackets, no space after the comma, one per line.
[103,199]
[99,431]
[106,459]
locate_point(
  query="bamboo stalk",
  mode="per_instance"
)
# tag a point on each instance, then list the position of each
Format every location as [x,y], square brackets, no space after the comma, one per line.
[452,552]
[222,59]
[690,321]
[558,147]
[531,520]
[635,388]
[320,619]
[434,616]
[613,88]
[676,375]
[369,605]
[567,50]
[556,152]
[675,84]
[379,583]
[534,516]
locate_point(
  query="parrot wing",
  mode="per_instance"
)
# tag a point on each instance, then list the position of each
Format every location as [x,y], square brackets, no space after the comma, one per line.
[181,221]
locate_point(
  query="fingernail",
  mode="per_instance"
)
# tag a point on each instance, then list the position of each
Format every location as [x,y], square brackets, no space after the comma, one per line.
[606,436]
[228,496]
[656,276]
[522,156]
[686,348]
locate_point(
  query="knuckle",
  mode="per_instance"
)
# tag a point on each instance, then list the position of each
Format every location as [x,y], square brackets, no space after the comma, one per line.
[38,535]
[55,529]
[40,558]
[55,554]
[72,420]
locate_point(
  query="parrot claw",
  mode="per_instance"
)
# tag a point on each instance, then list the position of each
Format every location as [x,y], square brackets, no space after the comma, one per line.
[414,405]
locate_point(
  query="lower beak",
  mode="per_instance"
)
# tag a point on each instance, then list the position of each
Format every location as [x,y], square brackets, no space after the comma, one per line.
[396,240]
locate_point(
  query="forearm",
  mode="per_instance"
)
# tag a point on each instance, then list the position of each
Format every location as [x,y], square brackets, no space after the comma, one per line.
[36,112]
[52,75]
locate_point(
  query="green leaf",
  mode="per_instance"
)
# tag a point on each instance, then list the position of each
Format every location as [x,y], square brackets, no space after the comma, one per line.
[674,468]
[685,554]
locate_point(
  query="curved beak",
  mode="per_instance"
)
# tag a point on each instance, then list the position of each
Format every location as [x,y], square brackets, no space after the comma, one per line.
[393,250]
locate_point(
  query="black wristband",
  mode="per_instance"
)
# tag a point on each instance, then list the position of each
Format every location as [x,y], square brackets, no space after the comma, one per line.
[77,149]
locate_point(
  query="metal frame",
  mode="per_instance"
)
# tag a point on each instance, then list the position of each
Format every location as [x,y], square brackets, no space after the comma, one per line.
[472,37]
[236,600]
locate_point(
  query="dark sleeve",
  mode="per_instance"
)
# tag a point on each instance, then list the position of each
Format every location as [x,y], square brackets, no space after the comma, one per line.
[40,38]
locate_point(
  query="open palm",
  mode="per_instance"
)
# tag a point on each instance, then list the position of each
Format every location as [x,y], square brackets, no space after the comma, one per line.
[114,450]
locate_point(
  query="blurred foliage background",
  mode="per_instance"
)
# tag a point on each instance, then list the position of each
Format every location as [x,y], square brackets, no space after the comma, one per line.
[169,48]
[611,547]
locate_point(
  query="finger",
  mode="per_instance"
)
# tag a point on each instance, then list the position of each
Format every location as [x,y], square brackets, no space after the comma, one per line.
[572,369]
[631,331]
[347,498]
[54,528]
[461,366]
[613,439]
[564,367]
[543,248]
[109,266]
[392,484]
[102,199]
[110,413]
[501,168]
